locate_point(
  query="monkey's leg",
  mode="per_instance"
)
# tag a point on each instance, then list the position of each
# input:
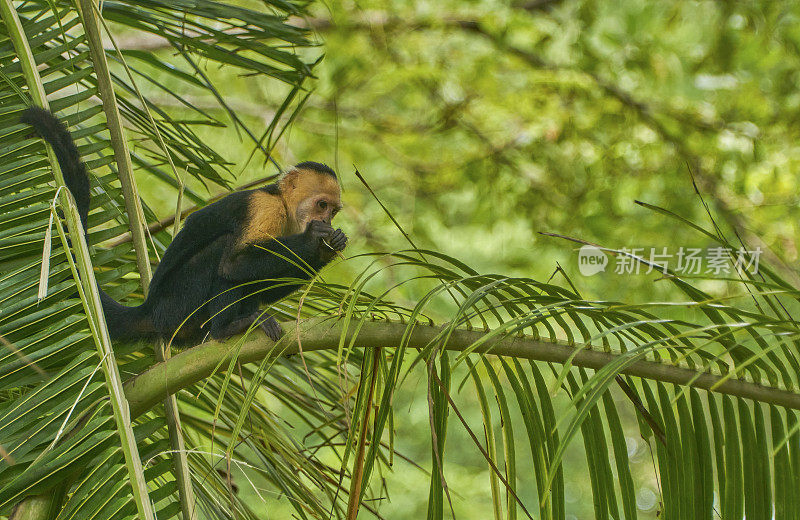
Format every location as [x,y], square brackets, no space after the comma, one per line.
[270,326]
[231,311]
[233,327]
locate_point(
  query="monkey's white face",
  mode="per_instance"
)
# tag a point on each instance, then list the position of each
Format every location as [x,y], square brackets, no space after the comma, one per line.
[316,196]
[323,206]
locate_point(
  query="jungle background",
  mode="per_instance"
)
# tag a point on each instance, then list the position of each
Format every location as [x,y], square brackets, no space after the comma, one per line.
[478,125]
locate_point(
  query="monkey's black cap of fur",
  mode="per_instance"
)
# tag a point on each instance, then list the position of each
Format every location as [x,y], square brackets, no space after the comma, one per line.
[317,167]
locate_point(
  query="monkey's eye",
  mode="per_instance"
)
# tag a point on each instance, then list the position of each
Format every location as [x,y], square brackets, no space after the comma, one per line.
[322,204]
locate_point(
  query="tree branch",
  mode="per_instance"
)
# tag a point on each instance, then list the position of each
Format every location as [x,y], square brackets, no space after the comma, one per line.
[190,366]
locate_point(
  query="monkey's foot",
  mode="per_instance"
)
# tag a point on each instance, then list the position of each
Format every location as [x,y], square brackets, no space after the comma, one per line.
[234,327]
[271,328]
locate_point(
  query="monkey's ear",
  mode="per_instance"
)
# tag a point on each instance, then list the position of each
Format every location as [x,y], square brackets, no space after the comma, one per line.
[290,179]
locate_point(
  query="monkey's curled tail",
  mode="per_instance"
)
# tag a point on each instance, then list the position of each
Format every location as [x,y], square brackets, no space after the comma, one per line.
[123,322]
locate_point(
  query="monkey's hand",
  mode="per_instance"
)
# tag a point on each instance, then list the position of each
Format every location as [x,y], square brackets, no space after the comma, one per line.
[338,240]
[326,237]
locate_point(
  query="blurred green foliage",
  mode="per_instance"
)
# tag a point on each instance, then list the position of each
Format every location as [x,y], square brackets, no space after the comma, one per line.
[479,124]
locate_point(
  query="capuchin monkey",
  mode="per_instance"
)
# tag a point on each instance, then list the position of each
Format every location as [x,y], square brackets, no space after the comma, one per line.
[230,255]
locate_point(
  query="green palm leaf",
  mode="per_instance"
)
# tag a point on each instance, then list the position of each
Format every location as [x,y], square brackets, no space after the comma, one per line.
[56,427]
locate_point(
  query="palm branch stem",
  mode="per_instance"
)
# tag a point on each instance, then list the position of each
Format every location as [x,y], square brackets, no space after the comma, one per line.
[39,507]
[119,143]
[137,226]
[190,366]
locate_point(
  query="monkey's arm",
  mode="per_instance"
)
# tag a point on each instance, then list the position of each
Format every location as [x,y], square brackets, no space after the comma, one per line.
[293,256]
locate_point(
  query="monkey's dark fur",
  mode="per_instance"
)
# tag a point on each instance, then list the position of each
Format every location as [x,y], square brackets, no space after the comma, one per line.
[225,261]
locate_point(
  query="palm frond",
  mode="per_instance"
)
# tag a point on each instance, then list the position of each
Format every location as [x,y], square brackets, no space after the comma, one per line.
[55,425]
[666,360]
